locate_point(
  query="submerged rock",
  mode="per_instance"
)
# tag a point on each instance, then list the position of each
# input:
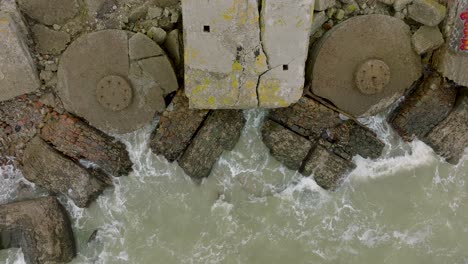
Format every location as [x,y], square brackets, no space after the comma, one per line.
[18,74]
[51,170]
[428,105]
[220,131]
[43,229]
[450,138]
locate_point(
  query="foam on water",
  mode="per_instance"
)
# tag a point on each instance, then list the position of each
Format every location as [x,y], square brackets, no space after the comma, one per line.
[406,207]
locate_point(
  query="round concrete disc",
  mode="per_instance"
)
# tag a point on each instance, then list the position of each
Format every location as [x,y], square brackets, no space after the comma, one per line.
[364,64]
[96,82]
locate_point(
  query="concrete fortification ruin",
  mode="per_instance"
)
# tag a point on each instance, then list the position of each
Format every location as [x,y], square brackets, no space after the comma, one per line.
[76,75]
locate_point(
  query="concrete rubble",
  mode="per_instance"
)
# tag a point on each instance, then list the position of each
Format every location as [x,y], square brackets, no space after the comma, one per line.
[41,228]
[231,52]
[427,39]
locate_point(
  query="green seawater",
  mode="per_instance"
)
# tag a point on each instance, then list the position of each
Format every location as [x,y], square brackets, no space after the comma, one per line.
[407,207]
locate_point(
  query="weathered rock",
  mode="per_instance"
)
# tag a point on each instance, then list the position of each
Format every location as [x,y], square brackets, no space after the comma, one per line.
[427,12]
[220,132]
[49,41]
[427,39]
[226,63]
[104,87]
[399,5]
[49,12]
[451,59]
[18,74]
[177,126]
[351,138]
[286,146]
[319,19]
[43,227]
[47,168]
[78,140]
[307,117]
[154,12]
[329,170]
[424,108]
[449,139]
[321,5]
[157,34]
[362,70]
[138,13]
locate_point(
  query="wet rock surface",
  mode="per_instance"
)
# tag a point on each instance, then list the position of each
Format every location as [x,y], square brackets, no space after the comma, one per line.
[51,170]
[220,132]
[423,109]
[42,229]
[312,138]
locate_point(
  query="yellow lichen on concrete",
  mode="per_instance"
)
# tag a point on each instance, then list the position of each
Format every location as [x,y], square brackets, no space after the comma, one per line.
[267,93]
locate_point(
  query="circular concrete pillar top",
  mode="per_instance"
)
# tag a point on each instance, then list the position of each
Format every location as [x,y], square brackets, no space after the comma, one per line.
[115,79]
[372,76]
[364,64]
[114,92]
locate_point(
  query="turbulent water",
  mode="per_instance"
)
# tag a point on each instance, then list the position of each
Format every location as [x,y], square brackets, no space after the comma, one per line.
[407,207]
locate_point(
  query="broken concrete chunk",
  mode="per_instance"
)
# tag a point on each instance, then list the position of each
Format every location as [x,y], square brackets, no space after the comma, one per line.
[286,146]
[113,93]
[43,227]
[141,47]
[329,170]
[154,12]
[157,34]
[220,132]
[47,168]
[307,117]
[177,126]
[427,12]
[49,41]
[451,59]
[77,140]
[49,12]
[173,46]
[321,5]
[226,65]
[449,139]
[18,74]
[427,39]
[423,109]
[399,5]
[359,78]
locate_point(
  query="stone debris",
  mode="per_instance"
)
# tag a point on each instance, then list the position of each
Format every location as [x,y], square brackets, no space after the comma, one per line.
[449,138]
[427,39]
[427,12]
[220,132]
[49,12]
[50,41]
[428,105]
[286,146]
[329,170]
[345,69]
[173,45]
[51,170]
[43,230]
[313,139]
[176,128]
[157,34]
[231,52]
[136,88]
[399,5]
[79,141]
[451,59]
[319,19]
[18,74]
[321,5]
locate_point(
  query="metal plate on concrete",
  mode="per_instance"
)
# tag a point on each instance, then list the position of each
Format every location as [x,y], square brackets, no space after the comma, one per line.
[362,69]
[99,82]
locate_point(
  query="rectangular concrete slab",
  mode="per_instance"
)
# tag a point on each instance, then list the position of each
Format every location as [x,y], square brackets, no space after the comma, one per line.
[18,74]
[225,52]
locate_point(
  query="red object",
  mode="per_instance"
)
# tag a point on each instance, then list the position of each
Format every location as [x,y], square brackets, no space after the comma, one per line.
[464,47]
[464,41]
[464,16]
